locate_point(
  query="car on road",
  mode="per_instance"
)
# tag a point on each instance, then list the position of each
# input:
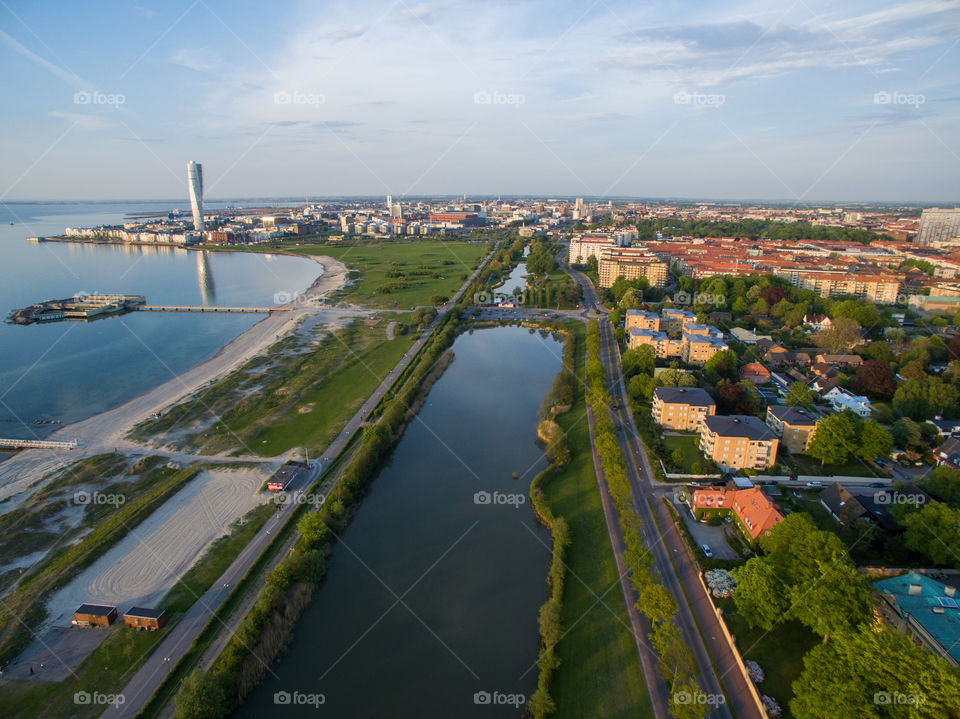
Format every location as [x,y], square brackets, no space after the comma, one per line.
[707,552]
[877,485]
[814,484]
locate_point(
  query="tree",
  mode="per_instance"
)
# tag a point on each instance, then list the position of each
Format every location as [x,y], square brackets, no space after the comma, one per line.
[943,483]
[845,677]
[201,696]
[864,314]
[799,394]
[760,596]
[906,432]
[934,531]
[833,440]
[732,399]
[631,300]
[843,334]
[313,530]
[875,379]
[638,361]
[837,599]
[922,399]
[640,388]
[875,441]
[723,364]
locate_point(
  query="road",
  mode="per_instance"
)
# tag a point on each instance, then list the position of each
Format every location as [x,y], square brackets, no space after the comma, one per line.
[719,674]
[151,674]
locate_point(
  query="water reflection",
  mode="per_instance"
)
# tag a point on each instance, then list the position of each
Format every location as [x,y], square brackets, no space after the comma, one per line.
[208,291]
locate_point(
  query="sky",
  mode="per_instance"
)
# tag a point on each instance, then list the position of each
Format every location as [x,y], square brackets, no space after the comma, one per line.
[798,101]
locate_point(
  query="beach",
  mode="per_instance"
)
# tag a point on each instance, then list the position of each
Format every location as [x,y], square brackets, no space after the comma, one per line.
[106,432]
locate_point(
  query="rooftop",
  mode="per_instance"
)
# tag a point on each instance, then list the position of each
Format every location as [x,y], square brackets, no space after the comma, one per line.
[931,604]
[739,425]
[693,396]
[794,416]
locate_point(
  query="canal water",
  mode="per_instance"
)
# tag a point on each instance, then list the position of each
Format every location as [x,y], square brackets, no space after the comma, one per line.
[514,281]
[430,604]
[72,370]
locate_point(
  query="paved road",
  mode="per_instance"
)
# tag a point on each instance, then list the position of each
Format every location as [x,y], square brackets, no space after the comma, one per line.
[150,676]
[718,670]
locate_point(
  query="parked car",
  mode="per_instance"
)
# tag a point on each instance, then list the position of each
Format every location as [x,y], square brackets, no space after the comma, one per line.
[707,552]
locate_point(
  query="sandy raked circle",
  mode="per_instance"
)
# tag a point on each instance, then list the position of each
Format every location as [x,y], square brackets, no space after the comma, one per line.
[144,566]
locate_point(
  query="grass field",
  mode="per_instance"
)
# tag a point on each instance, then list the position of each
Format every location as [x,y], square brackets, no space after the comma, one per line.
[286,399]
[404,274]
[780,652]
[599,673]
[689,446]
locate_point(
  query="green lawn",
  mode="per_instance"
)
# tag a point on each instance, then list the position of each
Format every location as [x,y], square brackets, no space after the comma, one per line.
[689,446]
[423,268]
[599,673]
[286,398]
[780,652]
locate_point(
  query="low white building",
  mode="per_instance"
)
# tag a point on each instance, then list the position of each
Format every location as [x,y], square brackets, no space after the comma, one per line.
[841,399]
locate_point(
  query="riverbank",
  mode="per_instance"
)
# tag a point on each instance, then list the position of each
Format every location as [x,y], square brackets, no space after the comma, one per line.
[106,431]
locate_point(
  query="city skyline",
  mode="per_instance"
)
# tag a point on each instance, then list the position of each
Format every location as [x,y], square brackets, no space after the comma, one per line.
[800,103]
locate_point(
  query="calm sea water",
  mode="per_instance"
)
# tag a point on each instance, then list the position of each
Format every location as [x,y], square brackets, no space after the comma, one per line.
[72,370]
[431,599]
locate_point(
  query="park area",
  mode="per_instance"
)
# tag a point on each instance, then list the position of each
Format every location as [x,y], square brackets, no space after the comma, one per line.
[403,274]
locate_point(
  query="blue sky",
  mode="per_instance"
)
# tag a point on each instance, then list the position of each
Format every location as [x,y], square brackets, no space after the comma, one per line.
[800,101]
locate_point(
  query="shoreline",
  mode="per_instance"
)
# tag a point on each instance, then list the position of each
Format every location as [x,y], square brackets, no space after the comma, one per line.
[106,431]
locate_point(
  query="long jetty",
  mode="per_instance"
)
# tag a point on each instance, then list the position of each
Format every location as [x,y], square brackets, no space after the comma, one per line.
[209,308]
[37,444]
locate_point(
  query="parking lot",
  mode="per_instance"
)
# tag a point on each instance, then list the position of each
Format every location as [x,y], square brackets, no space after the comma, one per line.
[705,534]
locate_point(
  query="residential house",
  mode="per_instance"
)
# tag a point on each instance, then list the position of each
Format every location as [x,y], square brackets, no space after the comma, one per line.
[794,425]
[948,453]
[840,399]
[817,322]
[738,442]
[682,408]
[755,372]
[843,361]
[753,510]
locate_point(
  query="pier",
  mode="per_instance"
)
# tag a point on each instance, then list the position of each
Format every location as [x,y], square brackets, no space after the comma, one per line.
[209,308]
[37,444]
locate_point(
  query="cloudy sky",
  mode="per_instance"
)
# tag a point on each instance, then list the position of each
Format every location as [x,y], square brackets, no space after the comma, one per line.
[799,101]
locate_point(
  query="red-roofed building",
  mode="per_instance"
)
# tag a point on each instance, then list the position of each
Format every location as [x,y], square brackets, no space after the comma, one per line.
[754,511]
[755,372]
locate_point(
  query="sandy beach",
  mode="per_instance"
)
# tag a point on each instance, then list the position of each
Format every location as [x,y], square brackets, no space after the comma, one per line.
[106,431]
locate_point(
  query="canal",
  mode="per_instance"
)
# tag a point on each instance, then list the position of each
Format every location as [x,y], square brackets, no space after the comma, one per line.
[430,604]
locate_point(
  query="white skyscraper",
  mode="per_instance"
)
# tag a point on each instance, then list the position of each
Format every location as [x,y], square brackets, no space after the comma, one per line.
[195,179]
[389,202]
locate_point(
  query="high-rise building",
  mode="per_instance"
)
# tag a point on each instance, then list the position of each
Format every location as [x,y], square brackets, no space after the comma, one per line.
[396,211]
[579,209]
[389,202]
[938,226]
[195,179]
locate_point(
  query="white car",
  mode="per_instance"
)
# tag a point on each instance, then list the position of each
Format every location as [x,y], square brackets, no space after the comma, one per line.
[707,552]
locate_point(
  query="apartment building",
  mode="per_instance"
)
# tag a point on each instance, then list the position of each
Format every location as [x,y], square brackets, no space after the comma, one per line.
[642,319]
[662,345]
[738,442]
[795,426]
[586,246]
[882,289]
[673,320]
[682,408]
[700,343]
[631,263]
